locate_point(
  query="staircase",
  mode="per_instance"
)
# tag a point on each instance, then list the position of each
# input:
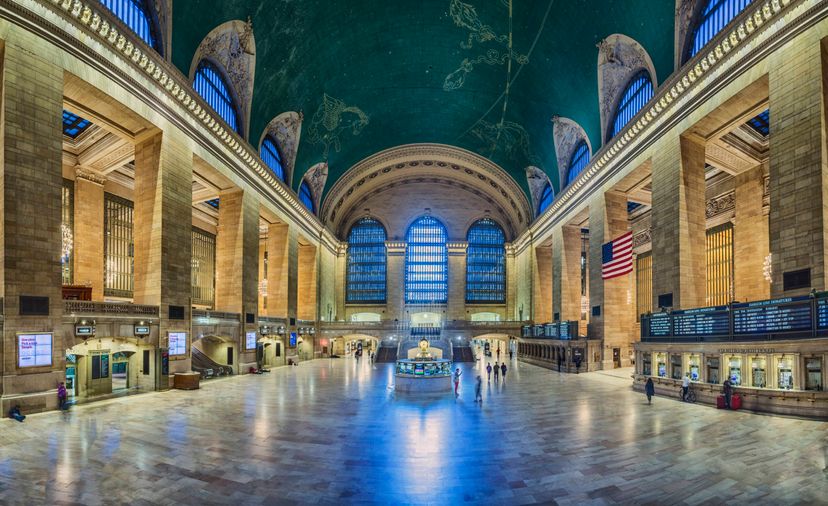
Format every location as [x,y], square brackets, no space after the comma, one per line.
[463,354]
[207,367]
[386,354]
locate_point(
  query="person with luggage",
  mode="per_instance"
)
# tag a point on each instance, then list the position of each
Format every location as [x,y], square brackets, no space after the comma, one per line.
[728,392]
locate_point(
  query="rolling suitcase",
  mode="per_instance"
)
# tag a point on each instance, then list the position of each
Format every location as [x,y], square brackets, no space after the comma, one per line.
[736,402]
[720,402]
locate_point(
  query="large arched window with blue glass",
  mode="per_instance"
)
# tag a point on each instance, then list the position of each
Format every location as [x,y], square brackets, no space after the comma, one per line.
[636,95]
[306,196]
[137,15]
[209,82]
[426,262]
[269,152]
[711,19]
[365,278]
[546,198]
[486,263]
[578,161]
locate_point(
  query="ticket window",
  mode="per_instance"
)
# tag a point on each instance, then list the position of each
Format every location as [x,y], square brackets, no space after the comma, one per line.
[813,373]
[675,367]
[784,375]
[647,364]
[713,370]
[661,363]
[758,372]
[734,367]
[693,367]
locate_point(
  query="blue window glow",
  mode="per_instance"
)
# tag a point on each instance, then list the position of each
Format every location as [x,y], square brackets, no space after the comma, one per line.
[210,84]
[578,162]
[632,206]
[214,203]
[761,123]
[366,263]
[635,97]
[486,263]
[306,196]
[74,125]
[712,19]
[546,198]
[136,15]
[426,262]
[270,156]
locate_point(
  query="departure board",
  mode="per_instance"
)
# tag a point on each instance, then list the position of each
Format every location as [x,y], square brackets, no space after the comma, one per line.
[539,331]
[822,311]
[790,314]
[526,330]
[568,330]
[659,325]
[551,330]
[706,321]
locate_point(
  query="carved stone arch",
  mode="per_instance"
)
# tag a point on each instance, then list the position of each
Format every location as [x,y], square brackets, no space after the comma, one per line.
[316,177]
[620,58]
[350,224]
[286,130]
[483,216]
[232,47]
[567,134]
[686,12]
[537,181]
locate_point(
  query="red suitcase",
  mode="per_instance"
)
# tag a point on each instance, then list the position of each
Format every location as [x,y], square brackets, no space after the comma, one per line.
[736,402]
[720,402]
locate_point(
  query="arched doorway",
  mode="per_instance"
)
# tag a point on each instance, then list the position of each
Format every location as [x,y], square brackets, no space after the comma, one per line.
[110,365]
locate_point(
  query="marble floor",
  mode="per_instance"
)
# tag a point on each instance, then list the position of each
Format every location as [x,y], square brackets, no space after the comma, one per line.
[335,432]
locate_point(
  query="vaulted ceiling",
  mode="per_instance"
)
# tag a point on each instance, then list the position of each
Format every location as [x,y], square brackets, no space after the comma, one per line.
[484,75]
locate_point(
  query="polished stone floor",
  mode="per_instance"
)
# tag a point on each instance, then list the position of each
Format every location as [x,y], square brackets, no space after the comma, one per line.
[335,432]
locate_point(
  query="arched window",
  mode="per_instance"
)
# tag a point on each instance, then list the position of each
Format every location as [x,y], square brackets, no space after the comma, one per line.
[712,19]
[137,15]
[270,156]
[212,87]
[426,262]
[365,281]
[635,97]
[306,196]
[578,162]
[546,198]
[486,263]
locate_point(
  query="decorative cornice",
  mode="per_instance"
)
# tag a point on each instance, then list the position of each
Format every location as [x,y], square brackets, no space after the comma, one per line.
[721,204]
[88,175]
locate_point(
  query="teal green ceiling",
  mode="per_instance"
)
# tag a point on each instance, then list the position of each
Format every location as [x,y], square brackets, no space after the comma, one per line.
[398,66]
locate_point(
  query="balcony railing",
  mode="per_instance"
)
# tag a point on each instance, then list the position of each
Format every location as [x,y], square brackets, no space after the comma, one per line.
[85,307]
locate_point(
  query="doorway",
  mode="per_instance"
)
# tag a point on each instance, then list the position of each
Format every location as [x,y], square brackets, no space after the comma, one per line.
[120,371]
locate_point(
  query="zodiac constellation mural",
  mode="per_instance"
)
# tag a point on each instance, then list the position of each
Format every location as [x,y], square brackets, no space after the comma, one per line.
[507,137]
[465,16]
[331,119]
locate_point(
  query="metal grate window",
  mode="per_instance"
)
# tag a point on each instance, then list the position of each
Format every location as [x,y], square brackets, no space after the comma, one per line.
[643,284]
[761,123]
[203,267]
[486,263]
[635,97]
[306,196]
[426,262]
[578,162]
[118,247]
[270,156]
[136,15]
[67,226]
[366,263]
[546,198]
[712,19]
[212,87]
[720,265]
[74,125]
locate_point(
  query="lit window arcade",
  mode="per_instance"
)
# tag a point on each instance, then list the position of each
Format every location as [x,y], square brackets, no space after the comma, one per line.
[636,95]
[426,262]
[486,263]
[74,125]
[212,87]
[136,14]
[365,283]
[270,156]
[546,198]
[306,196]
[712,19]
[578,162]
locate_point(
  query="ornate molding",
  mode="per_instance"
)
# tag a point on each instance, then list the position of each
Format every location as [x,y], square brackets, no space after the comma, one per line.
[286,128]
[316,177]
[567,134]
[642,238]
[537,181]
[721,204]
[88,175]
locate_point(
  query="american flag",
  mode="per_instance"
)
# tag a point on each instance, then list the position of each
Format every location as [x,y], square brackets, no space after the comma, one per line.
[616,257]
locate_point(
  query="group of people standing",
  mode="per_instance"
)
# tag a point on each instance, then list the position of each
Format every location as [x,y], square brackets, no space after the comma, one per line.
[498,369]
[478,388]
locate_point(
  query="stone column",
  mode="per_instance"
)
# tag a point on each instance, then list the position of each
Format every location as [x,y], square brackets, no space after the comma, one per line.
[566,273]
[678,217]
[750,237]
[395,273]
[341,273]
[163,233]
[608,220]
[511,284]
[31,184]
[281,286]
[798,189]
[262,276]
[88,252]
[456,307]
[542,299]
[306,282]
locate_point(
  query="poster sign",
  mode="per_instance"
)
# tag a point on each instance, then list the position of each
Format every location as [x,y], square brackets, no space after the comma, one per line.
[178,343]
[34,350]
[250,340]
[292,343]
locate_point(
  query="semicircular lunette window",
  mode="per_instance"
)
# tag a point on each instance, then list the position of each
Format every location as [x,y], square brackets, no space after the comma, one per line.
[211,85]
[426,262]
[270,156]
[306,196]
[578,162]
[365,279]
[546,198]
[136,15]
[486,263]
[716,15]
[636,95]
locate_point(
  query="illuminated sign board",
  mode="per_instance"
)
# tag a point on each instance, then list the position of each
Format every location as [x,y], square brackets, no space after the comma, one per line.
[769,316]
[250,340]
[141,330]
[34,350]
[292,342]
[84,330]
[177,343]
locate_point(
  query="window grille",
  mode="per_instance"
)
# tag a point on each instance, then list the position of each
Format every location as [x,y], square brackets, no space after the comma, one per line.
[546,198]
[486,263]
[118,247]
[211,86]
[270,156]
[136,15]
[761,123]
[643,284]
[203,267]
[306,197]
[426,262]
[74,125]
[366,263]
[720,265]
[712,19]
[635,97]
[578,162]
[67,222]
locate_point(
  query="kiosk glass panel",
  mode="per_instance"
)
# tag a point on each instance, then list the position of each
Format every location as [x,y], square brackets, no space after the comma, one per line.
[713,370]
[785,375]
[661,363]
[675,363]
[735,370]
[646,364]
[759,376]
[693,367]
[813,373]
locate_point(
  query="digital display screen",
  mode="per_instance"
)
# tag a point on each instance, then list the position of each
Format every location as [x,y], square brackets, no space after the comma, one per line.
[34,350]
[790,314]
[566,329]
[178,343]
[527,331]
[141,330]
[292,342]
[822,313]
[250,340]
[539,331]
[659,325]
[84,330]
[706,321]
[551,330]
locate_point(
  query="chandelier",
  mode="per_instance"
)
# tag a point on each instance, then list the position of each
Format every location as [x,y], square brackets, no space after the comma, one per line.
[66,242]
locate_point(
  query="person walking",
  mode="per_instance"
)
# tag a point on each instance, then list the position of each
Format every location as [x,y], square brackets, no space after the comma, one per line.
[728,392]
[457,374]
[496,371]
[503,370]
[62,395]
[685,386]
[489,373]
[649,389]
[478,390]
[560,362]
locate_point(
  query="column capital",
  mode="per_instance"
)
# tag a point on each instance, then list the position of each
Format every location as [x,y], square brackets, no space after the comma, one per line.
[457,248]
[88,175]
